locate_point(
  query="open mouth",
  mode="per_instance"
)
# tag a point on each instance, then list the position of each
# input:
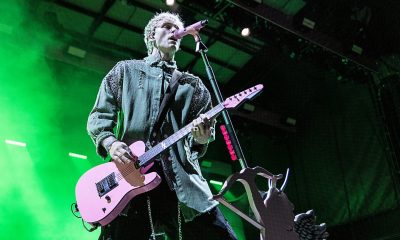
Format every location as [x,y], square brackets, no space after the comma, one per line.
[173,39]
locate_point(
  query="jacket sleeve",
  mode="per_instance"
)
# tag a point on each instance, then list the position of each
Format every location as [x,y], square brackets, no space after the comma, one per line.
[103,117]
[200,104]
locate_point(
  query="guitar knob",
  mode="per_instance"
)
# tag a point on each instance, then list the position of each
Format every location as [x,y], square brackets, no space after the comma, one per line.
[108,199]
[104,210]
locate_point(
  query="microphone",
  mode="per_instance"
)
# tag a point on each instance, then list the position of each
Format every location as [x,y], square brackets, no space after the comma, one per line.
[192,29]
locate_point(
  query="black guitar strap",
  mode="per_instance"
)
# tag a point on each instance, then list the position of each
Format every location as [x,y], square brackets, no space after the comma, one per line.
[166,102]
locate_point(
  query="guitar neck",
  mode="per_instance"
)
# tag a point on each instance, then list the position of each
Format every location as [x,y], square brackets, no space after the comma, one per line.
[149,156]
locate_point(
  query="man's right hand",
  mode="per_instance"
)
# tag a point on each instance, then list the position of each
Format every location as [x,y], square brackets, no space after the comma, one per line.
[121,153]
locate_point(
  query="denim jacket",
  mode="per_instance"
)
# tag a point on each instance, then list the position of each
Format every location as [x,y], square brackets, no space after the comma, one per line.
[133,88]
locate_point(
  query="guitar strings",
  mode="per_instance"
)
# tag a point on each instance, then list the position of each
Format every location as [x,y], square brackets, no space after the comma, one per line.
[180,134]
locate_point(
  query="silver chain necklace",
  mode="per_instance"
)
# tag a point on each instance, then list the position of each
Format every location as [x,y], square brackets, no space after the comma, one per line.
[153,234]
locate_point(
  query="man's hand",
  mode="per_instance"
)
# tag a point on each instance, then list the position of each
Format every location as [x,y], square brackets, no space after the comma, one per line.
[202,129]
[121,153]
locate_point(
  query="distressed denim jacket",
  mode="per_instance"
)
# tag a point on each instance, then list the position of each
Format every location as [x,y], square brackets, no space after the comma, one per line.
[133,88]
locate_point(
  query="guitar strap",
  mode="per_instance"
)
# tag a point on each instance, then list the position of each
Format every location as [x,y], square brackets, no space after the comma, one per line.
[167,100]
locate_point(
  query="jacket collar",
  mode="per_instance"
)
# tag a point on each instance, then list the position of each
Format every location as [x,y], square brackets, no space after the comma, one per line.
[156,62]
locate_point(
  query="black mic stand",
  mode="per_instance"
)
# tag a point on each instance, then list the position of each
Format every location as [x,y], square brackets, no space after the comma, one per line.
[260,202]
[202,49]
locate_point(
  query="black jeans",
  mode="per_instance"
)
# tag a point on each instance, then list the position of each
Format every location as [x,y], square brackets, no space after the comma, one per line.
[135,225]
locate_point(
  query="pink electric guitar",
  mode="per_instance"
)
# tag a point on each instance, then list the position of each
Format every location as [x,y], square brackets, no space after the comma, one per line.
[104,191]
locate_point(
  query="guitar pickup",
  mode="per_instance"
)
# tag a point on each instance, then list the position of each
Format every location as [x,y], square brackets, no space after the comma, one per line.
[106,184]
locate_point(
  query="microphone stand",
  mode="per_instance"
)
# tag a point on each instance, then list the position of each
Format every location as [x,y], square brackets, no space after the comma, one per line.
[261,203]
[202,49]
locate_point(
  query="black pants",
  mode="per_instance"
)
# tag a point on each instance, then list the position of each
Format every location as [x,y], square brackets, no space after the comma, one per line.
[164,210]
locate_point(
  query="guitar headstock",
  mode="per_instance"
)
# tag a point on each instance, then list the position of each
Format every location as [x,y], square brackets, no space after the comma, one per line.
[237,99]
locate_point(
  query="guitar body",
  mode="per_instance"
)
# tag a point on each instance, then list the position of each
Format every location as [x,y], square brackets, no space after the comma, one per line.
[105,190]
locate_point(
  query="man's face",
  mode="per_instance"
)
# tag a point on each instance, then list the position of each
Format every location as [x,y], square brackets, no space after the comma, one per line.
[164,38]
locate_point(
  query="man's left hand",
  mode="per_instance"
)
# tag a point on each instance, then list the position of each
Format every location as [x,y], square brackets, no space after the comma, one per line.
[202,129]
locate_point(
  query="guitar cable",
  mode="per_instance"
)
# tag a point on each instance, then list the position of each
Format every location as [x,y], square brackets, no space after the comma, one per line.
[89,229]
[74,210]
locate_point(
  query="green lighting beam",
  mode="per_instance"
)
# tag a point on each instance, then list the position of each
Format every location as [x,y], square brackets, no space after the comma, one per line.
[12,142]
[77,155]
[216,182]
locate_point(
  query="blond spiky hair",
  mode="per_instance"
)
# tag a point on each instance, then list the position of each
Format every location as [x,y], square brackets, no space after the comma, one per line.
[157,21]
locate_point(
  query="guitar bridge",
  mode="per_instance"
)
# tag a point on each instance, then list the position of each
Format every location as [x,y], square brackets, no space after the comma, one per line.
[106,185]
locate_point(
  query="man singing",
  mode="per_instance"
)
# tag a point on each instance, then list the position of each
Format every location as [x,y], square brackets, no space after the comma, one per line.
[125,111]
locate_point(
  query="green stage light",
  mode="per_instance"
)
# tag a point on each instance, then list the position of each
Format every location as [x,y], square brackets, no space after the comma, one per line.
[16,143]
[216,182]
[75,155]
